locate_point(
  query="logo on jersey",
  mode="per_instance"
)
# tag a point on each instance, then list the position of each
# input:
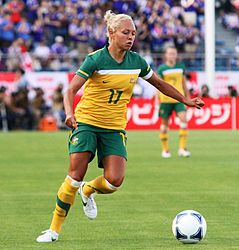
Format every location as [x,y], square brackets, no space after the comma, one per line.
[133,80]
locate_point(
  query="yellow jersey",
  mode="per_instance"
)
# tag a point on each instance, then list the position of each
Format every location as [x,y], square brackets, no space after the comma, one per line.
[109,88]
[174,76]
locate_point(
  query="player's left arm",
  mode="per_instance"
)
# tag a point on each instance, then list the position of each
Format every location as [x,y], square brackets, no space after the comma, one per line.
[170,91]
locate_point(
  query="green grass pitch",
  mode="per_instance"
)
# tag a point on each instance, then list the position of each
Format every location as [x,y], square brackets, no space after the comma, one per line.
[140,214]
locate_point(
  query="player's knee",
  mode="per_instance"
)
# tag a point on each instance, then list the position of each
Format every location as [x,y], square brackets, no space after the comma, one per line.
[115,181]
[163,128]
[75,174]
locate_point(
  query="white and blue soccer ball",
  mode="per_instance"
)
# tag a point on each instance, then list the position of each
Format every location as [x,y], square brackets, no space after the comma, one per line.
[189,226]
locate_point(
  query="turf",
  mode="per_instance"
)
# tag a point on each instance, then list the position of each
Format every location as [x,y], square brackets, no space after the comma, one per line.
[139,216]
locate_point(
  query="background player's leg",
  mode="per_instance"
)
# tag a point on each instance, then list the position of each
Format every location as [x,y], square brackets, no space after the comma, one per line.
[114,172]
[66,194]
[183,135]
[164,137]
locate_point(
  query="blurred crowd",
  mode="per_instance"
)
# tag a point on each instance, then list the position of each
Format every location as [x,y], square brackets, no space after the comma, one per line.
[58,34]
[228,14]
[41,35]
[28,110]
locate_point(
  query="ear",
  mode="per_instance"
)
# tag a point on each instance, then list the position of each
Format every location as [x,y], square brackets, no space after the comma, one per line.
[111,32]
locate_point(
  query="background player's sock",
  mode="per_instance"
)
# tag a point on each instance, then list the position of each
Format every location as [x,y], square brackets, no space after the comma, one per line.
[164,141]
[183,134]
[99,185]
[65,198]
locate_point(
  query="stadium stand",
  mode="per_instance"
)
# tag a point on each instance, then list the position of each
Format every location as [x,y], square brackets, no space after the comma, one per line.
[40,35]
[56,35]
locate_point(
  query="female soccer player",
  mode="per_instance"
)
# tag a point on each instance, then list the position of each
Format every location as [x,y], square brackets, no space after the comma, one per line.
[109,75]
[173,72]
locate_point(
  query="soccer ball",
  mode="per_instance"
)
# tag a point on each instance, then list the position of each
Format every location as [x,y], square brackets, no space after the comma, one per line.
[189,226]
[186,3]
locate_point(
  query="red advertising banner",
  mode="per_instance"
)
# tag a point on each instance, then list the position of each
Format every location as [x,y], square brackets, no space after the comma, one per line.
[143,114]
[7,79]
[237,112]
[222,113]
[216,114]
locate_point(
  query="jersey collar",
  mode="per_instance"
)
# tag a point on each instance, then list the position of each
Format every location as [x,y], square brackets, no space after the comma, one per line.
[111,58]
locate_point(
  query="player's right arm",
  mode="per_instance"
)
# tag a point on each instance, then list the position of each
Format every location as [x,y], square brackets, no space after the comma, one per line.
[76,83]
[86,69]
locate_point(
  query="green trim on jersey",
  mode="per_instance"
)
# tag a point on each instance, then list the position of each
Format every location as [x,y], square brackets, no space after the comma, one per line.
[108,88]
[102,60]
[163,68]
[174,76]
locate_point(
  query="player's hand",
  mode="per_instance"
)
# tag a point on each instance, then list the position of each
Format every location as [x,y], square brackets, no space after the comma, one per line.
[195,102]
[70,121]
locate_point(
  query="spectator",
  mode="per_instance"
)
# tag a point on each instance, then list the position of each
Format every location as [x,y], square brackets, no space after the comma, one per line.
[179,35]
[15,8]
[37,32]
[2,62]
[6,32]
[17,55]
[12,116]
[58,48]
[232,91]
[4,114]
[23,30]
[32,7]
[39,107]
[83,37]
[99,39]
[24,118]
[80,24]
[42,53]
[192,86]
[237,46]
[148,57]
[20,79]
[14,52]
[57,107]
[143,38]
[58,54]
[204,91]
[192,39]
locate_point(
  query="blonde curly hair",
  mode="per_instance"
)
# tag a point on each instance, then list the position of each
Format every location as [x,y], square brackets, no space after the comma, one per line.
[113,20]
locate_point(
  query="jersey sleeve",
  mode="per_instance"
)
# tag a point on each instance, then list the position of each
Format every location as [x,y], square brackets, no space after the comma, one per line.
[146,71]
[87,68]
[184,69]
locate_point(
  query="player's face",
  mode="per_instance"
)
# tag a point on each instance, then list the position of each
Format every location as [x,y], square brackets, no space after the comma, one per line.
[124,36]
[171,55]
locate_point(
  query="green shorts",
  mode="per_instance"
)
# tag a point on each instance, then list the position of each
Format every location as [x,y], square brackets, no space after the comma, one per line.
[166,109]
[88,138]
